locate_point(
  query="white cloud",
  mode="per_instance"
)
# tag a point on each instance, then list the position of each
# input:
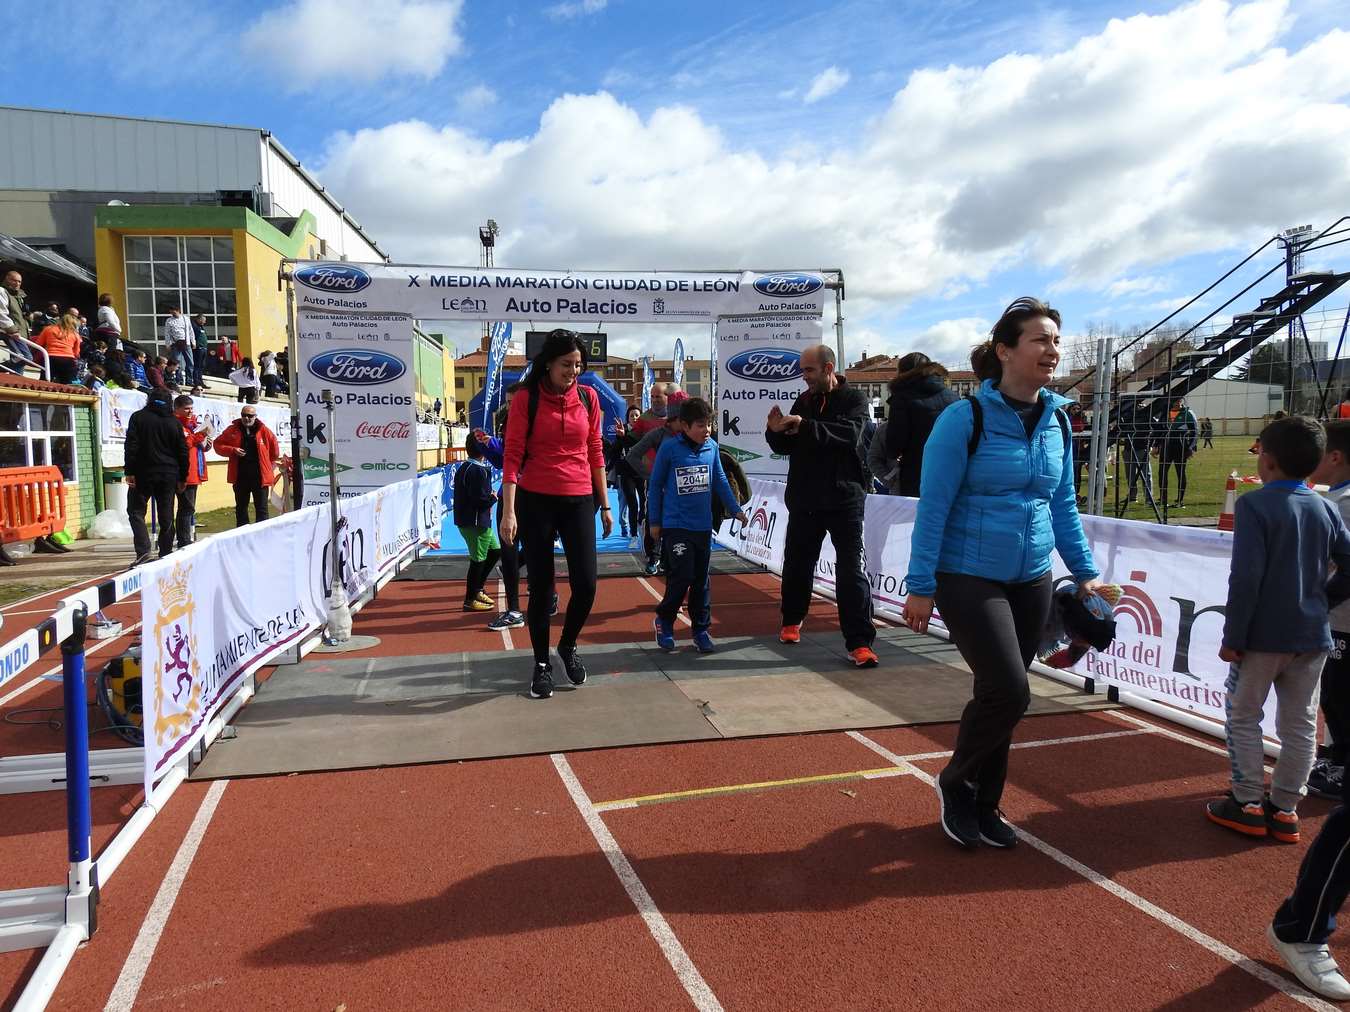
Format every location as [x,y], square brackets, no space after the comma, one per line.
[309,42]
[826,83]
[476,99]
[1160,137]
[1130,287]
[575,9]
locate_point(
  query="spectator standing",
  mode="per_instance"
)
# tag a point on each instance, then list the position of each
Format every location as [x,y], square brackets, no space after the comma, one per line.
[50,317]
[246,379]
[688,473]
[1207,432]
[513,617]
[62,343]
[473,517]
[82,323]
[1276,631]
[822,436]
[137,370]
[1180,437]
[996,499]
[15,323]
[251,448]
[108,326]
[637,458]
[552,483]
[267,365]
[1328,773]
[1139,431]
[156,468]
[198,437]
[632,486]
[919,393]
[178,337]
[201,344]
[885,471]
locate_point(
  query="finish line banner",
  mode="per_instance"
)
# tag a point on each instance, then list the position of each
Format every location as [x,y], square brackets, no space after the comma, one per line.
[475,293]
[1169,621]
[367,361]
[759,366]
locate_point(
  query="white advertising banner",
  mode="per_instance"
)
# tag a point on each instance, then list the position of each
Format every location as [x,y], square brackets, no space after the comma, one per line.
[367,361]
[217,611]
[505,294]
[758,366]
[115,408]
[1169,621]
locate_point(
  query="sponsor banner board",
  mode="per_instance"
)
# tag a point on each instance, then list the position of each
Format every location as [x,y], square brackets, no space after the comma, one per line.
[1169,620]
[758,367]
[509,294]
[209,621]
[367,361]
[115,408]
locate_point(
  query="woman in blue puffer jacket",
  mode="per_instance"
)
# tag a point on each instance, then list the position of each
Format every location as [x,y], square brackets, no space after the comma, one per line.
[988,519]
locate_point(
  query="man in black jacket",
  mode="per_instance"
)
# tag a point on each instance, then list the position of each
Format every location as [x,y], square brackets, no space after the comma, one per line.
[822,438]
[156,468]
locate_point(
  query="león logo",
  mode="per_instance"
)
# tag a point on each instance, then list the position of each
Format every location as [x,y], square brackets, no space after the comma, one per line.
[178,684]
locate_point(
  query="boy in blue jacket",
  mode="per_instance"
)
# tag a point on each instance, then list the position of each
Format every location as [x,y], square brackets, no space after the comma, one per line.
[473,516]
[679,510]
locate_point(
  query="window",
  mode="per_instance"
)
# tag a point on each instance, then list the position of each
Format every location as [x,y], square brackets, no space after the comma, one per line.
[38,435]
[194,273]
[459,382]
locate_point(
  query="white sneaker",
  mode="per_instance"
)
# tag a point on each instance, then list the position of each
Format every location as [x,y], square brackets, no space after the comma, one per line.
[1313,965]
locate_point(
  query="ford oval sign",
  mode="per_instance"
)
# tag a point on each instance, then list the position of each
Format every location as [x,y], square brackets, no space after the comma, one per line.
[766,365]
[333,277]
[788,286]
[356,367]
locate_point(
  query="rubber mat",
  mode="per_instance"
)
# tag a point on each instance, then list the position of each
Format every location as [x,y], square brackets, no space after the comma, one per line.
[345,713]
[456,567]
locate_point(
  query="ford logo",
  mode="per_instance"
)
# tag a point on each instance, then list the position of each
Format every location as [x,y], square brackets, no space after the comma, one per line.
[356,367]
[767,365]
[788,286]
[333,277]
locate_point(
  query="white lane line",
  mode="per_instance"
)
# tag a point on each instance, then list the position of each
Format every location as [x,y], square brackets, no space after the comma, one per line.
[507,643]
[694,984]
[57,670]
[1213,945]
[361,685]
[917,756]
[129,982]
[659,596]
[1130,718]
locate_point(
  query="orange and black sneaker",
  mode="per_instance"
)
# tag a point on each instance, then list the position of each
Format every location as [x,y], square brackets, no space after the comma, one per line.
[863,657]
[1281,823]
[790,634]
[1227,811]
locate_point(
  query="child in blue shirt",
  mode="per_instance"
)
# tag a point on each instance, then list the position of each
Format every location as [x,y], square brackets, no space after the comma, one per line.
[473,516]
[679,510]
[1276,632]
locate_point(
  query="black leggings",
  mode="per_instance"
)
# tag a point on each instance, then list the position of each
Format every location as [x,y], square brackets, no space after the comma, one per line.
[510,567]
[1165,468]
[630,491]
[540,518]
[997,627]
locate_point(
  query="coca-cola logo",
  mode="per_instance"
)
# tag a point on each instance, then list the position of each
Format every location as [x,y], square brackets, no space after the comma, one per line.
[385,430]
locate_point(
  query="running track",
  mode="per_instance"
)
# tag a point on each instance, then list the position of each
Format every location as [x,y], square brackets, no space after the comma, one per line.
[800,871]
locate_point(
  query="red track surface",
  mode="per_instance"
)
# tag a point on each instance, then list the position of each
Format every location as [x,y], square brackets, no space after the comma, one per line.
[480,885]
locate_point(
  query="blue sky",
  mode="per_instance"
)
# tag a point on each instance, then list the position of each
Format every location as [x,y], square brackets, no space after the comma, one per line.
[949,156]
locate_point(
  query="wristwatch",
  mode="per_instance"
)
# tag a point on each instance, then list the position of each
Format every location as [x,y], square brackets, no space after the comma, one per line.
[605,509]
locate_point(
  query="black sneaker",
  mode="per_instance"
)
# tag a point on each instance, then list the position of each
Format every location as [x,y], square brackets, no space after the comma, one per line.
[541,685]
[1326,780]
[142,559]
[553,608]
[995,830]
[956,813]
[576,670]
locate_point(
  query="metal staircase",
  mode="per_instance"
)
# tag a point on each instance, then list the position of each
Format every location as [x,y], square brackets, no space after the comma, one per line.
[1245,332]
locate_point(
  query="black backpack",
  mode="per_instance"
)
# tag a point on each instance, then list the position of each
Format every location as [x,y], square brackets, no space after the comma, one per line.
[977,429]
[740,486]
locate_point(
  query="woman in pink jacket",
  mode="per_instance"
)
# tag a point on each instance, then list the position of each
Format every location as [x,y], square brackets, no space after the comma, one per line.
[553,480]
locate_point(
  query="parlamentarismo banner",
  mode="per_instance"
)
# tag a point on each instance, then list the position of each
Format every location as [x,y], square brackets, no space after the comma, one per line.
[1169,621]
[473,293]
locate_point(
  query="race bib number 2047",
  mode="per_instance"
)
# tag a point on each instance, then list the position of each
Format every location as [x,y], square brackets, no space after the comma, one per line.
[692,480]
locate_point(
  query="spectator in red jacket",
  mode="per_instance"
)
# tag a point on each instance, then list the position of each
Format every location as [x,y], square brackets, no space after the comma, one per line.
[198,436]
[250,447]
[553,453]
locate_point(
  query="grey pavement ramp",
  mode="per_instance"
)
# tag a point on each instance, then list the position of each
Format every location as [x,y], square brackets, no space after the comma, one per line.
[331,712]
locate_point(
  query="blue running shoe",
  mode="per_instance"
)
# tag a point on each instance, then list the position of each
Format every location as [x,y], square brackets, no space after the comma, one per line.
[703,643]
[665,634]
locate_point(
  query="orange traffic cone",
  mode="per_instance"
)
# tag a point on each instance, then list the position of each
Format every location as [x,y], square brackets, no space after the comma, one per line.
[1229,503]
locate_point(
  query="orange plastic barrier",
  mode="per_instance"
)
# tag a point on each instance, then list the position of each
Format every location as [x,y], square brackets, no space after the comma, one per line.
[32,503]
